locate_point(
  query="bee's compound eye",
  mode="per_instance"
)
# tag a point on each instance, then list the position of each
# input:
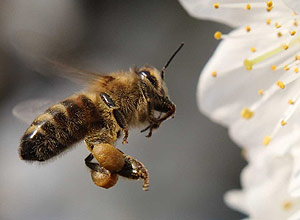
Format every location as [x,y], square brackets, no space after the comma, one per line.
[105,180]
[146,74]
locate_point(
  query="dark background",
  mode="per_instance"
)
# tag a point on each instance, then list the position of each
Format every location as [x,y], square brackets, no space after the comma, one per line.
[192,162]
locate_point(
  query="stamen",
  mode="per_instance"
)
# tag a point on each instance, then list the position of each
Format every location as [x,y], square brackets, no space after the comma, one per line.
[247,113]
[248,6]
[279,34]
[280,84]
[283,123]
[260,92]
[216,5]
[291,102]
[269,4]
[253,49]
[268,21]
[214,74]
[267,140]
[218,35]
[273,67]
[248,64]
[292,33]
[286,67]
[248,29]
[296,70]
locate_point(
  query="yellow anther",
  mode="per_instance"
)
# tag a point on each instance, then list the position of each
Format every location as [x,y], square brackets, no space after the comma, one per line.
[278,26]
[244,153]
[287,205]
[214,74]
[285,46]
[279,34]
[286,68]
[297,57]
[291,102]
[296,70]
[248,6]
[292,33]
[268,21]
[247,113]
[269,4]
[274,67]
[280,84]
[295,23]
[253,49]
[283,122]
[260,92]
[216,5]
[267,140]
[248,64]
[248,29]
[218,35]
[269,9]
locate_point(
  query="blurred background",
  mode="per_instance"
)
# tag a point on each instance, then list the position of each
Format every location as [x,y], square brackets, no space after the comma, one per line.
[192,162]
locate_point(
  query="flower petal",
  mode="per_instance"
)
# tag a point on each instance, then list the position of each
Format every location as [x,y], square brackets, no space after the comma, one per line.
[222,97]
[234,16]
[293,4]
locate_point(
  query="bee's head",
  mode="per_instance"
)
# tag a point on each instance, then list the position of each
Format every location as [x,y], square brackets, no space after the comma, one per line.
[153,78]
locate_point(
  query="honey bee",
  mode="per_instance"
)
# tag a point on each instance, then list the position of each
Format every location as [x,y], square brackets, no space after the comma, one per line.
[109,107]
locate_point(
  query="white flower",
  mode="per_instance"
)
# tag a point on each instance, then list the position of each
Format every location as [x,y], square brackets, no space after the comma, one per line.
[251,83]
[265,195]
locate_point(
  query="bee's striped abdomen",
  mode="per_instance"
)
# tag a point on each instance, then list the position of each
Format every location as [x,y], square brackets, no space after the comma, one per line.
[58,128]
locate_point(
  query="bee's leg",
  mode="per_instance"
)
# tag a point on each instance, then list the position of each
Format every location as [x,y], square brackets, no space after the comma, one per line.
[117,114]
[134,169]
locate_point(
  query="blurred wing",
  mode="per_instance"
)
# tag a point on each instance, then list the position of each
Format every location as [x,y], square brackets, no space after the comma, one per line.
[28,110]
[42,56]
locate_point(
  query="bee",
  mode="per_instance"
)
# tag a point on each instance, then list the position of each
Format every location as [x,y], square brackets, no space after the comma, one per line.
[108,108]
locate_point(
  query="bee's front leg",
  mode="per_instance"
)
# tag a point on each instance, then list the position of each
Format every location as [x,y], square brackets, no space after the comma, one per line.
[134,169]
[164,105]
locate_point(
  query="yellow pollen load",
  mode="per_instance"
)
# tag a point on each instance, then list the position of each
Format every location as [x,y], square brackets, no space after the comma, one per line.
[214,74]
[285,46]
[273,67]
[248,29]
[247,113]
[216,5]
[283,122]
[279,34]
[286,67]
[260,92]
[267,140]
[292,33]
[218,35]
[253,49]
[291,102]
[268,21]
[296,70]
[287,205]
[280,84]
[248,6]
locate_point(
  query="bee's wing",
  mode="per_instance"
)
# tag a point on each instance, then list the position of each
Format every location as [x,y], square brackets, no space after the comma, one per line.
[45,56]
[28,110]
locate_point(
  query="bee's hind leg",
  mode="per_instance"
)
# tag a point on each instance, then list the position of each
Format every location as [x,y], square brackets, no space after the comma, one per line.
[134,169]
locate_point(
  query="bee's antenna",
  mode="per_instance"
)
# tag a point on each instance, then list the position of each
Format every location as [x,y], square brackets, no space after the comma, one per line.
[169,61]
